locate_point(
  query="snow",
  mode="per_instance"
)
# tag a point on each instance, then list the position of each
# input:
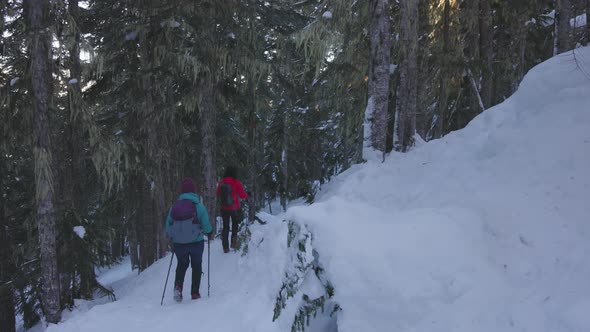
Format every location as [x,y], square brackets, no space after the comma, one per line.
[483,230]
[73,81]
[327,14]
[80,231]
[14,81]
[116,273]
[132,35]
[532,21]
[231,35]
[392,68]
[579,21]
[239,282]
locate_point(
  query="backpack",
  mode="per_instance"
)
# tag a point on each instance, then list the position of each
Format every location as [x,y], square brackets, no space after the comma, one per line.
[225,194]
[184,224]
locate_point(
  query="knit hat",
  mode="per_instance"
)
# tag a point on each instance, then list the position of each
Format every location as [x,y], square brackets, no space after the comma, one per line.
[188,186]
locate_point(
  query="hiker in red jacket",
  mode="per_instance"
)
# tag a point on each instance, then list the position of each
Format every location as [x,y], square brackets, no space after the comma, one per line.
[229,192]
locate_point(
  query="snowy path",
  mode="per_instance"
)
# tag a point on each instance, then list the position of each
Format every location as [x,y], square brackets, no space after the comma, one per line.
[243,291]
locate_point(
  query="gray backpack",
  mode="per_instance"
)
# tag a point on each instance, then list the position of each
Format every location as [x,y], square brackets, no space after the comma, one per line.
[184,224]
[226,196]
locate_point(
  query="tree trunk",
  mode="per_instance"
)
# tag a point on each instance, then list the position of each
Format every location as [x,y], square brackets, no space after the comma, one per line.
[131,212]
[443,87]
[7,312]
[285,162]
[563,29]
[486,52]
[379,63]
[132,236]
[75,103]
[148,180]
[252,156]
[206,104]
[470,13]
[423,118]
[405,123]
[587,22]
[117,246]
[75,179]
[147,216]
[41,57]
[522,40]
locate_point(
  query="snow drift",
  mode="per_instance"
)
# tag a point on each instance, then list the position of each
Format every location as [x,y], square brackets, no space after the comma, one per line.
[486,229]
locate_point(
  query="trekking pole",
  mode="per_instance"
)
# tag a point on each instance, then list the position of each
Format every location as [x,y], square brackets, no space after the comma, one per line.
[167,275]
[208,265]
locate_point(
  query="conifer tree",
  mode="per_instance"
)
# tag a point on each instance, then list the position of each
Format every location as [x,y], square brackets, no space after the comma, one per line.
[379,73]
[407,94]
[40,51]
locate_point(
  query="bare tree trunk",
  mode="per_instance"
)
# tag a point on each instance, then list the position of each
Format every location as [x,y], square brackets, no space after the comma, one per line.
[75,179]
[7,311]
[470,14]
[7,314]
[132,232]
[481,107]
[379,63]
[556,27]
[147,214]
[486,52]
[562,34]
[423,116]
[206,106]
[41,57]
[522,40]
[405,124]
[160,154]
[252,156]
[117,246]
[285,162]
[443,87]
[587,22]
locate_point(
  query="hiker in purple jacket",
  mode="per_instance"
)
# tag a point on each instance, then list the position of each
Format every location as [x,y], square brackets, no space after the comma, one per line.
[186,223]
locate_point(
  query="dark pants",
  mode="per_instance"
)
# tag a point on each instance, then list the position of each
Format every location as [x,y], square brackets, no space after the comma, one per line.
[194,253]
[226,215]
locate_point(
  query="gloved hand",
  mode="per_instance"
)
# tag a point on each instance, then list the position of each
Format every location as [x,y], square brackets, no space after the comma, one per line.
[210,236]
[171,246]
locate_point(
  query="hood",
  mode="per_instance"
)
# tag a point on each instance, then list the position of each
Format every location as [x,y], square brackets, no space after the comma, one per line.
[190,196]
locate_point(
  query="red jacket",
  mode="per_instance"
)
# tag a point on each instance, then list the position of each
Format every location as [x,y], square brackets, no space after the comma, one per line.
[236,192]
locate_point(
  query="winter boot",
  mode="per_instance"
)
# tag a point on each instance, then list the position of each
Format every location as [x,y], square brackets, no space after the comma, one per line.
[178,293]
[234,242]
[195,296]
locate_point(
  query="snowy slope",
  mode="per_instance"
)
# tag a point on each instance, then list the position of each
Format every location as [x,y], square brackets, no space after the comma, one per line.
[487,229]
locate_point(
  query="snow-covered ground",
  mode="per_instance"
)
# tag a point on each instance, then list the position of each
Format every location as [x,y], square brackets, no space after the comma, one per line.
[243,290]
[484,230]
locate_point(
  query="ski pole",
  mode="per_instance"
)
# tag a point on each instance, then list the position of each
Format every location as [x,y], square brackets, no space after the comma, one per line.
[167,275]
[208,265]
